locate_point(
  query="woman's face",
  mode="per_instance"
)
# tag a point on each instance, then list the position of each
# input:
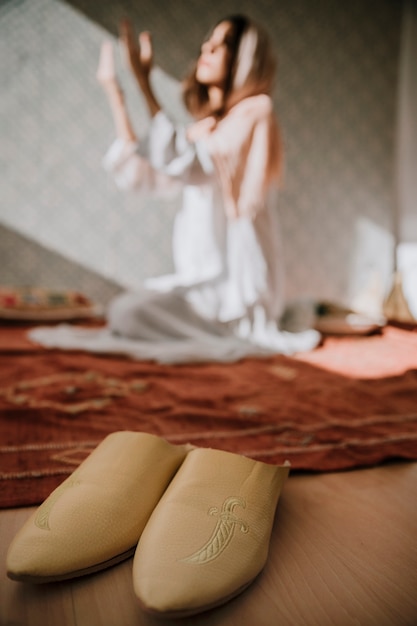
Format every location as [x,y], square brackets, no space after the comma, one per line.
[213,62]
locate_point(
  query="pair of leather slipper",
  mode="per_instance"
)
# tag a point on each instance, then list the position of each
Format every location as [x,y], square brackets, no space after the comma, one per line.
[197,520]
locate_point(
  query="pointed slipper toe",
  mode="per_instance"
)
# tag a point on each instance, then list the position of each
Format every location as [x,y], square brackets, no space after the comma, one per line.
[208,537]
[95,517]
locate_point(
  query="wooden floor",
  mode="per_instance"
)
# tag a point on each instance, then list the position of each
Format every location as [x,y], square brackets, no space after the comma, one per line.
[343,552]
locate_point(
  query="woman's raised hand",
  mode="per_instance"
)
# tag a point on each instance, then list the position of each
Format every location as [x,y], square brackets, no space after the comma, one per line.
[106,73]
[138,51]
[139,57]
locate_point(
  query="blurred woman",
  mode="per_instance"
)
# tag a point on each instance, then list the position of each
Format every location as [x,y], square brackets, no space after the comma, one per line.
[225,297]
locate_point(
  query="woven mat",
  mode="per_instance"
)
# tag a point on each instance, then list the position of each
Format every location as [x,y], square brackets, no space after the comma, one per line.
[350,403]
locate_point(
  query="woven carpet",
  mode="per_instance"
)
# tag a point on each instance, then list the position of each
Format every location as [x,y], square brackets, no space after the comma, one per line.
[350,403]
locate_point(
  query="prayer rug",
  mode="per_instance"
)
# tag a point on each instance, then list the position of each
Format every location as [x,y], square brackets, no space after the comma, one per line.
[350,403]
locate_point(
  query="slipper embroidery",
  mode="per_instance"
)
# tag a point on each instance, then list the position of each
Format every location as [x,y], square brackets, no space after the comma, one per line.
[44,511]
[223,532]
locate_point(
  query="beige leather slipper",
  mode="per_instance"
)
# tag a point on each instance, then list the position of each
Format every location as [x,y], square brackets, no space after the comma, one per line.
[95,517]
[208,537]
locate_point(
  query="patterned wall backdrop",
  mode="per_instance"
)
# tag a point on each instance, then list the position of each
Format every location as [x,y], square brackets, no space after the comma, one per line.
[335,95]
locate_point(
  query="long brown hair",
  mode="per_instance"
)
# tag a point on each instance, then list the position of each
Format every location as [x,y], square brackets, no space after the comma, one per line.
[251,69]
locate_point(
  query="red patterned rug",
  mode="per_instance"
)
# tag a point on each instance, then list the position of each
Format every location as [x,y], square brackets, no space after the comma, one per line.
[350,403]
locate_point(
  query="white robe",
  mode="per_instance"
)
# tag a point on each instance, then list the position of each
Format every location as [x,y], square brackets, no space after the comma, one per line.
[224,298]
